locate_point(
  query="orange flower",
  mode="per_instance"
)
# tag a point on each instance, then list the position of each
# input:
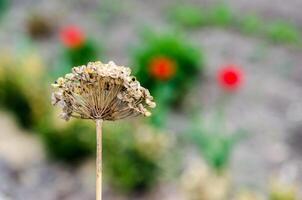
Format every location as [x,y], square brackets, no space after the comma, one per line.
[72,37]
[162,68]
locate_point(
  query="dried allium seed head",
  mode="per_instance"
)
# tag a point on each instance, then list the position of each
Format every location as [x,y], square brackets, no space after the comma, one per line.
[101,91]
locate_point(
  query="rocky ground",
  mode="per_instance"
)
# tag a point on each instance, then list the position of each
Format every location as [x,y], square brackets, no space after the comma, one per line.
[268,106]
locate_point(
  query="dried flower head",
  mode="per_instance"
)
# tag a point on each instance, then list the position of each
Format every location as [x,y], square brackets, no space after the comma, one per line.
[101,92]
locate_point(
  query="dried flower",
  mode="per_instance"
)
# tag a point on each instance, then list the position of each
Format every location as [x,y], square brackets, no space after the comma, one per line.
[198,180]
[101,92]
[230,77]
[72,37]
[162,68]
[151,142]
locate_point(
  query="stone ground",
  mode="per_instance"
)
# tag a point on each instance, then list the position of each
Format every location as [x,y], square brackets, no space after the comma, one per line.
[268,106]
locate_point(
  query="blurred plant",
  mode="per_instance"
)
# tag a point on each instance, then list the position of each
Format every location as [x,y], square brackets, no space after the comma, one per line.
[188,16]
[215,145]
[251,24]
[39,26]
[211,139]
[192,16]
[281,32]
[282,191]
[230,77]
[78,49]
[248,195]
[14,99]
[135,165]
[167,65]
[101,92]
[221,15]
[3,6]
[202,183]
[20,93]
[69,143]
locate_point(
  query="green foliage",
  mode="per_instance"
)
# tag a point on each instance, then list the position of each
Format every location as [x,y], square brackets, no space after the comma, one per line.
[195,16]
[82,55]
[188,61]
[162,98]
[221,15]
[3,6]
[14,99]
[70,143]
[22,91]
[215,145]
[281,32]
[251,24]
[188,16]
[126,166]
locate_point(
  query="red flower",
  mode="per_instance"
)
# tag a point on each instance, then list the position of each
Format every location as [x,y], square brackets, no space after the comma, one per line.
[72,36]
[230,77]
[162,68]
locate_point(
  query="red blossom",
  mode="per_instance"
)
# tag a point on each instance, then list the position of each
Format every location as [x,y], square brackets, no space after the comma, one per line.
[162,68]
[72,36]
[230,77]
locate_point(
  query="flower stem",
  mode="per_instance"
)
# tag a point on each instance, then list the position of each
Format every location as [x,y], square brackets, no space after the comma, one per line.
[99,159]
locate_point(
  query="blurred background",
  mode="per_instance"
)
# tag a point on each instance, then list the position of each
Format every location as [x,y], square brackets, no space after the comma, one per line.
[226,76]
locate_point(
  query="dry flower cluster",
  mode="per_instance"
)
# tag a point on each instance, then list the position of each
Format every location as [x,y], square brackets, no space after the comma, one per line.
[151,142]
[101,92]
[198,180]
